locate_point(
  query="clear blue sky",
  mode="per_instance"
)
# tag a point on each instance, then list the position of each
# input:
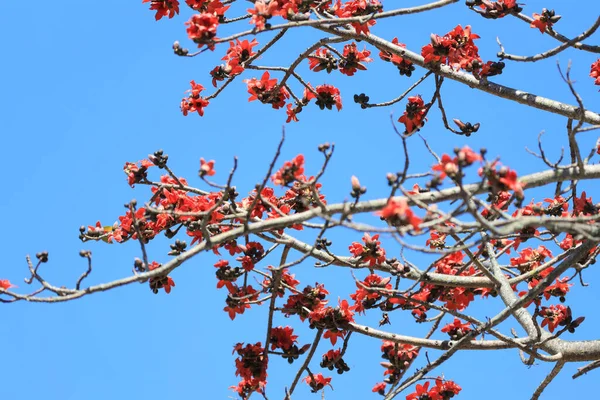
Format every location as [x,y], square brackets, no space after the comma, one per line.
[90,85]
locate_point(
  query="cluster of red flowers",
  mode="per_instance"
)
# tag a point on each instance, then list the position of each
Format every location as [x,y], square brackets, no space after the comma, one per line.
[351,61]
[202,29]
[443,390]
[502,179]
[238,53]
[209,6]
[371,252]
[194,102]
[163,8]
[162,282]
[169,8]
[333,360]
[284,339]
[174,204]
[290,172]
[251,365]
[364,298]
[239,298]
[267,91]
[358,8]
[398,358]
[449,166]
[332,319]
[456,329]
[457,49]
[303,303]
[495,9]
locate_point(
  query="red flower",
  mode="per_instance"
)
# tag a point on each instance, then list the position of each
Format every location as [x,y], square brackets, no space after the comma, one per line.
[457,329]
[202,28]
[282,338]
[329,96]
[164,8]
[404,66]
[414,116]
[251,363]
[545,20]
[422,392]
[447,167]
[559,289]
[583,205]
[371,252]
[595,73]
[322,60]
[263,90]
[353,59]
[5,284]
[194,102]
[379,388]
[317,382]
[237,300]
[553,316]
[446,389]
[240,52]
[206,168]
[291,171]
[510,180]
[261,12]
[356,8]
[291,113]
[397,213]
[161,282]
[209,6]
[137,173]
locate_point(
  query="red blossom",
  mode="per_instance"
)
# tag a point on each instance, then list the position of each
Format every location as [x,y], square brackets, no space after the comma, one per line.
[457,329]
[267,91]
[371,252]
[353,59]
[161,282]
[163,8]
[291,113]
[202,29]
[422,392]
[282,338]
[206,167]
[262,12]
[553,316]
[398,213]
[595,73]
[317,382]
[238,298]
[545,20]
[328,96]
[414,115]
[447,167]
[289,172]
[322,60]
[405,67]
[5,284]
[194,102]
[379,388]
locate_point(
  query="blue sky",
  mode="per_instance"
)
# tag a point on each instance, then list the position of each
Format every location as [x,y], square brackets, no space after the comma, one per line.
[88,86]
